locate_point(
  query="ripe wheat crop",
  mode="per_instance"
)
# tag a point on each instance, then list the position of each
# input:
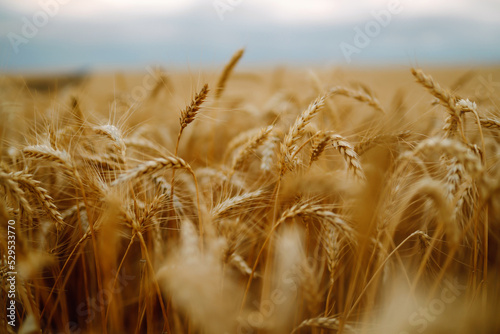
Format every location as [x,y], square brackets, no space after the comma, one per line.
[253,202]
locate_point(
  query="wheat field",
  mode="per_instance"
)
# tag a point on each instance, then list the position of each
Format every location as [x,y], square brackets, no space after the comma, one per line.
[253,201]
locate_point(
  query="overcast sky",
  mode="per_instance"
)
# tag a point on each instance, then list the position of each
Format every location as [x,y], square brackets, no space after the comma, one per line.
[77,35]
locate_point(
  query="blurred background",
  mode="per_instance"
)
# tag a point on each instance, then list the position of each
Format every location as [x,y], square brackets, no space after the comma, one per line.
[73,36]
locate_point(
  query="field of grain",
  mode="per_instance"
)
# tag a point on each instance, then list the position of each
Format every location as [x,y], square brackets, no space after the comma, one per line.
[240,200]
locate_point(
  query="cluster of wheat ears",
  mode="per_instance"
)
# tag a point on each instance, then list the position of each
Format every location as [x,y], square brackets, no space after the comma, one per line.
[292,225]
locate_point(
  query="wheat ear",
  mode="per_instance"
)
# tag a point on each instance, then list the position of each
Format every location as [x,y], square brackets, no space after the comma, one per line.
[321,140]
[15,191]
[344,147]
[189,114]
[249,148]
[325,323]
[357,95]
[289,146]
[161,81]
[151,167]
[112,133]
[27,182]
[44,152]
[350,156]
[76,111]
[490,123]
[446,98]
[228,69]
[460,151]
[240,140]
[237,261]
[224,208]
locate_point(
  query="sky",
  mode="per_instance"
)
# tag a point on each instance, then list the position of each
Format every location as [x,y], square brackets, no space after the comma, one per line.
[83,35]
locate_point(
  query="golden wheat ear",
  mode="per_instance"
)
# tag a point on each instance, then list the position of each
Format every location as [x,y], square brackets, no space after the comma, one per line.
[251,145]
[289,147]
[490,123]
[325,323]
[357,95]
[151,167]
[34,187]
[189,114]
[228,69]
